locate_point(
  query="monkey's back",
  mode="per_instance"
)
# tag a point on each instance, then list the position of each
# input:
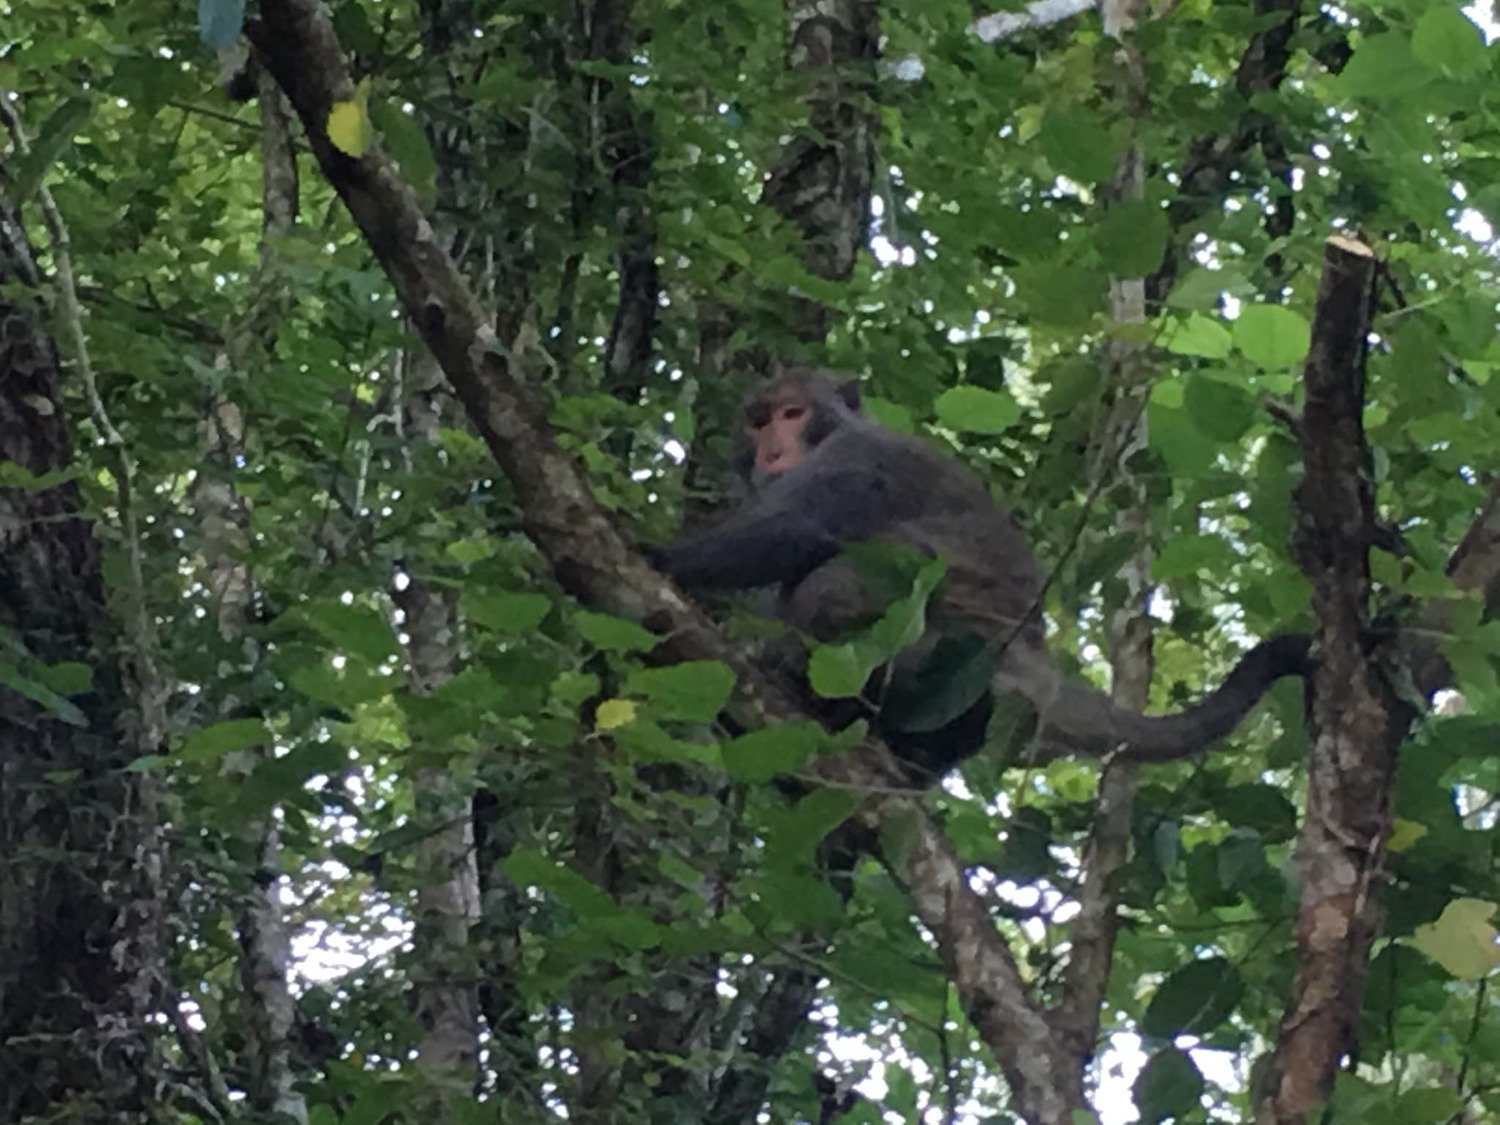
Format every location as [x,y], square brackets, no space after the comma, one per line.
[941,507]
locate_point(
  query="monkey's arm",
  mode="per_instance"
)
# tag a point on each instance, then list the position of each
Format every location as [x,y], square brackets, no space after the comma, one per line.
[780,535]
[742,554]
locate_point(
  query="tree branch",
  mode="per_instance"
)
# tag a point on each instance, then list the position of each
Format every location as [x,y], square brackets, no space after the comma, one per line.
[1357,720]
[1213,158]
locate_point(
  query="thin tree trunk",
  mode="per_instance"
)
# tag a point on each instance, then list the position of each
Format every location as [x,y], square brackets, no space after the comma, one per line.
[445,989]
[1127,375]
[268,1008]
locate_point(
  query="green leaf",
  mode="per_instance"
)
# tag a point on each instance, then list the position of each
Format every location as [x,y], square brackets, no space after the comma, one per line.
[1198,335]
[891,415]
[1428,1104]
[1448,41]
[1263,808]
[506,613]
[1132,237]
[1190,555]
[353,630]
[799,898]
[1383,67]
[1470,322]
[1462,940]
[344,688]
[1201,288]
[614,634]
[629,929]
[14,475]
[1242,857]
[1219,410]
[469,551]
[1169,1086]
[371,1106]
[902,625]
[841,671]
[1194,1000]
[882,968]
[792,834]
[527,867]
[647,741]
[356,34]
[67,678]
[893,571]
[573,689]
[1272,336]
[693,692]
[1166,844]
[764,754]
[1061,296]
[976,410]
[405,141]
[52,140]
[224,738]
[953,678]
[1204,878]
[11,677]
[1078,144]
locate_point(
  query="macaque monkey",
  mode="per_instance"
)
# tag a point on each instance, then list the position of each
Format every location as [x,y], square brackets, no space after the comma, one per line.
[824,475]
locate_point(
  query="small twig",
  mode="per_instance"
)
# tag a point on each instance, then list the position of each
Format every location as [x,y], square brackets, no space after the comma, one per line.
[215,1089]
[216,114]
[1284,414]
[1481,996]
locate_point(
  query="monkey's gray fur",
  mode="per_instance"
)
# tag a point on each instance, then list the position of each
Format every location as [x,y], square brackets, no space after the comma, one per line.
[860,481]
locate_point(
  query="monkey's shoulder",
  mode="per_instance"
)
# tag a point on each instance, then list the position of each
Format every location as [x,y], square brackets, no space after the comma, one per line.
[891,454]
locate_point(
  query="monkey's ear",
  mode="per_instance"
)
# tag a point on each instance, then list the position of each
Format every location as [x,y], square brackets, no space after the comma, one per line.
[848,391]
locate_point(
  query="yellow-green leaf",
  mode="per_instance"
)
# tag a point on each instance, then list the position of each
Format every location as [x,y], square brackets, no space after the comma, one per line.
[1405,833]
[614,713]
[349,123]
[1462,939]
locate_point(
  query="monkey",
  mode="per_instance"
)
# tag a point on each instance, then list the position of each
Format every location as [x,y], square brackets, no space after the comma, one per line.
[823,476]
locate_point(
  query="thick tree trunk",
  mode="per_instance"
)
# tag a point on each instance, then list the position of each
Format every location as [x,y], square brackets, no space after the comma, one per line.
[79,858]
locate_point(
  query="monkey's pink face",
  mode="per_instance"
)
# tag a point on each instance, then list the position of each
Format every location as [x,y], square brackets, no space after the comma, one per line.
[779,441]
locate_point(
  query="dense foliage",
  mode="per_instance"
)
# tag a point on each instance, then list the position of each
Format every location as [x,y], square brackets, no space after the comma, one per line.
[637,872]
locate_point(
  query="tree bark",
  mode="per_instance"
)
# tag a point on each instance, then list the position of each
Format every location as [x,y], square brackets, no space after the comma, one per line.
[80,853]
[1357,719]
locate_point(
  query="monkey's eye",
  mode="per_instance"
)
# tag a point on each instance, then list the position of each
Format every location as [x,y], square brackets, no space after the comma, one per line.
[792,413]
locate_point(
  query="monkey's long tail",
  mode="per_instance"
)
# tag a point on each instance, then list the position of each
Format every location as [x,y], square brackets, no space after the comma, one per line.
[1081,719]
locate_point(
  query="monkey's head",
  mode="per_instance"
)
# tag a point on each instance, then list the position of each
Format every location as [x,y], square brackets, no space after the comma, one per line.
[793,413]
